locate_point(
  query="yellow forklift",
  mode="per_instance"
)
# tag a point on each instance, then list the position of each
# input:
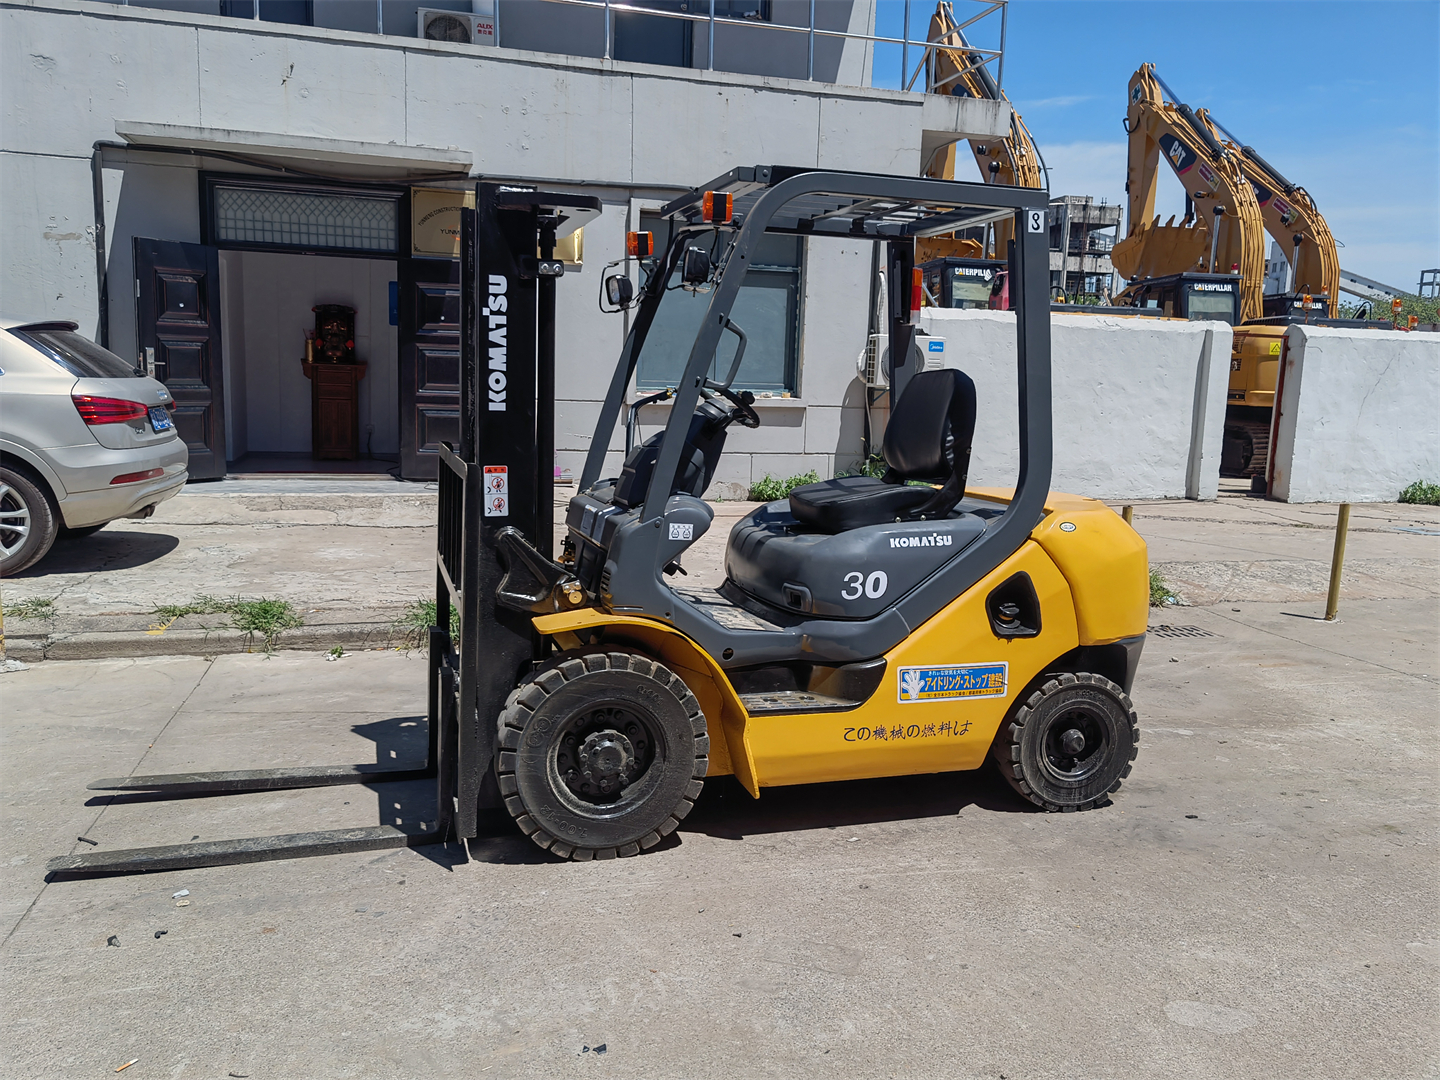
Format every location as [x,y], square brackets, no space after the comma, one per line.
[866,626]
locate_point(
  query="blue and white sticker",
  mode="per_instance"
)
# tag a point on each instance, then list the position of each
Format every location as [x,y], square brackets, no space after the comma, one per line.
[952,682]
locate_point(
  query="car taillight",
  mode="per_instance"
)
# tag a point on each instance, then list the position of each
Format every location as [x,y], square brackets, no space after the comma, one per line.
[104,410]
[136,477]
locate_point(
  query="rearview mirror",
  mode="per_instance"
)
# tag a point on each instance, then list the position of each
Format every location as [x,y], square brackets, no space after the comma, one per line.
[619,290]
[695,268]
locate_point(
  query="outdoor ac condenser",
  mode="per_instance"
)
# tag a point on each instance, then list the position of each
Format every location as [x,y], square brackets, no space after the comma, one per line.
[480,26]
[873,363]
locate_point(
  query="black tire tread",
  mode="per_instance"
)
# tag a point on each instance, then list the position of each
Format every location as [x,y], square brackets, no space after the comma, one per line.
[520,707]
[1007,747]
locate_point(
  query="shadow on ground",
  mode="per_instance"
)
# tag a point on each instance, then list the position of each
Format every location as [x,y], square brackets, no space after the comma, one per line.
[102,551]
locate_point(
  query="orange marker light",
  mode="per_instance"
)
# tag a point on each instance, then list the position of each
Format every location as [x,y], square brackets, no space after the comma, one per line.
[717,207]
[916,289]
[639,245]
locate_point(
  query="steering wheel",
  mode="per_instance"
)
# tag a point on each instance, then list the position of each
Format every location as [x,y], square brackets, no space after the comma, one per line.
[743,412]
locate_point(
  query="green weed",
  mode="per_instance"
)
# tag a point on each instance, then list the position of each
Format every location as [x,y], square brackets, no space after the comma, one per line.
[1160,593]
[1422,493]
[416,620]
[34,607]
[267,618]
[770,489]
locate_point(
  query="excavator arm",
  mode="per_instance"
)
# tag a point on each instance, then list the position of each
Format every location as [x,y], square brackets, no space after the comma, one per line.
[955,70]
[1216,189]
[1290,216]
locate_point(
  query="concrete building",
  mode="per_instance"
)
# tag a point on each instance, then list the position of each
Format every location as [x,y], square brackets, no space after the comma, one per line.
[186,182]
[1082,234]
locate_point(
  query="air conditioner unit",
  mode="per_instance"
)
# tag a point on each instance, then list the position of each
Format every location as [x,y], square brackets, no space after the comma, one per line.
[460,27]
[870,365]
[874,361]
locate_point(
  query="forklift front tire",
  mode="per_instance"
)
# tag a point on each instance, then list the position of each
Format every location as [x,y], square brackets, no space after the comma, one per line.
[602,755]
[1071,744]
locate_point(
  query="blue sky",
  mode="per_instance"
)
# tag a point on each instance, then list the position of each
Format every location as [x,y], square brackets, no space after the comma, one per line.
[1341,97]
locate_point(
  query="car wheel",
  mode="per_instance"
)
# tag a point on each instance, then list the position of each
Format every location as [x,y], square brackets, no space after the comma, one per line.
[28,522]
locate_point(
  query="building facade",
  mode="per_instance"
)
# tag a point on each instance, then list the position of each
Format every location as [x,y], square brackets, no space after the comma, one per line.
[153,157]
[1082,234]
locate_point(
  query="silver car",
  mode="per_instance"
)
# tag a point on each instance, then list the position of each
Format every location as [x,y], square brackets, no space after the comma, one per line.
[85,438]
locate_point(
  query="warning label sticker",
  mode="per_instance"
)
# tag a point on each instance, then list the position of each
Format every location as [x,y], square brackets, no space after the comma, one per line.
[495,490]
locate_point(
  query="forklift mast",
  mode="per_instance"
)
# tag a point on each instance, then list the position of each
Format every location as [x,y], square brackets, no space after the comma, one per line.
[498,483]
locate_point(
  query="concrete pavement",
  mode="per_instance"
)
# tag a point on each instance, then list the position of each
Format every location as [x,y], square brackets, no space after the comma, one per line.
[1259,901]
[350,555]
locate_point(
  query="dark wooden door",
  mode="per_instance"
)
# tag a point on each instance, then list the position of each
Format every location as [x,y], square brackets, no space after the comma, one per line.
[429,362]
[177,327]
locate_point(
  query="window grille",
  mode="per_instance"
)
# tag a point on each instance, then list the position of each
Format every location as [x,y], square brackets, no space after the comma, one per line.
[287,218]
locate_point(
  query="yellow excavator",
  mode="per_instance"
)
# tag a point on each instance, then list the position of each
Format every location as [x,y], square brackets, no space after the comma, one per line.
[1227,239]
[1212,265]
[1014,160]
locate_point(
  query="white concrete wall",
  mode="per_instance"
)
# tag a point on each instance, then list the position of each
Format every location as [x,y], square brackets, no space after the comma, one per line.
[1139,404]
[1359,414]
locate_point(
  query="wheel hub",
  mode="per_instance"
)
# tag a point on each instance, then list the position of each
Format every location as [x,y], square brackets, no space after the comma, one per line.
[1074,745]
[603,752]
[607,760]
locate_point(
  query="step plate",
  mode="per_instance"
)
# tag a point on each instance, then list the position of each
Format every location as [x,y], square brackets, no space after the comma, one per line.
[794,701]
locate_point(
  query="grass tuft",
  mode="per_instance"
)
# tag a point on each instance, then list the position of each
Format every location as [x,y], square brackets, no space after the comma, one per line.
[1161,594]
[770,489]
[34,607]
[1421,493]
[264,617]
[416,620]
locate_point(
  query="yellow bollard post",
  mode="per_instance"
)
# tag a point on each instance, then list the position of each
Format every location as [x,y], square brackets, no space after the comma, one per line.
[1337,561]
[1128,513]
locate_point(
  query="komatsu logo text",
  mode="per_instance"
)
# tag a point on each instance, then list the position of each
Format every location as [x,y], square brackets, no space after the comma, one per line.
[932,540]
[494,315]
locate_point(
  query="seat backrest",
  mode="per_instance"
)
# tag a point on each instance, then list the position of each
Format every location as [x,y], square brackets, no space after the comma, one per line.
[930,429]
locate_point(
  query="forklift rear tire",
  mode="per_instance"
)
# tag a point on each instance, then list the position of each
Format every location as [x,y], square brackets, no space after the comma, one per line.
[1071,744]
[602,755]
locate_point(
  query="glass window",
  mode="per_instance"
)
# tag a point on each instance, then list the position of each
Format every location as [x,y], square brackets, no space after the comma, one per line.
[313,220]
[1212,305]
[968,291]
[767,309]
[79,356]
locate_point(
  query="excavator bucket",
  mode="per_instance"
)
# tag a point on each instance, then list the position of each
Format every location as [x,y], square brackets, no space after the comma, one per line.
[1154,250]
[940,247]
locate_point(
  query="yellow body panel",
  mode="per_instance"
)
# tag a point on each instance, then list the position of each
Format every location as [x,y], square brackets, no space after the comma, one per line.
[923,736]
[1092,583]
[1255,358]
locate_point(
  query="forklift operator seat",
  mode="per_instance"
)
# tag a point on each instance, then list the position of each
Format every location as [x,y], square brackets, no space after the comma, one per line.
[928,439]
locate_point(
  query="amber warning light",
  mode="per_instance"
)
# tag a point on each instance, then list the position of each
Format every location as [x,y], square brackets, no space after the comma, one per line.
[717,206]
[916,289]
[640,245]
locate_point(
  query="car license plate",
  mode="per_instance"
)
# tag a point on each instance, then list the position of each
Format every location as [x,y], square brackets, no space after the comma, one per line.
[160,419]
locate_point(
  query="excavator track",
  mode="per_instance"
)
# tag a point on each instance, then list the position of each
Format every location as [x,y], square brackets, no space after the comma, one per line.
[1249,427]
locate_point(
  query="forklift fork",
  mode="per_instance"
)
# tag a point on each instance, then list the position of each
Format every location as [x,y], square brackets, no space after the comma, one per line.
[291,845]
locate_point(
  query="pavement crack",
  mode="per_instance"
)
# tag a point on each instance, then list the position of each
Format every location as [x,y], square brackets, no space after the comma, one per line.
[109,800]
[1319,648]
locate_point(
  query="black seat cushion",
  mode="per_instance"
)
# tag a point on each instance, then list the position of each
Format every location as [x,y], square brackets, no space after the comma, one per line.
[927,439]
[848,502]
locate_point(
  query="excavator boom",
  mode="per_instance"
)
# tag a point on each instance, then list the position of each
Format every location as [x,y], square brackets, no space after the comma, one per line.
[1216,189]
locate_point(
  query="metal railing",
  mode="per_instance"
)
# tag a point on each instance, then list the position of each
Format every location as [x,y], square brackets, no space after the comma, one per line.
[908,75]
[812,32]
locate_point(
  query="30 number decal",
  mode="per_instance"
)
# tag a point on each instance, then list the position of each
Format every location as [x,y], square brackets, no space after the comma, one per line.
[857,584]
